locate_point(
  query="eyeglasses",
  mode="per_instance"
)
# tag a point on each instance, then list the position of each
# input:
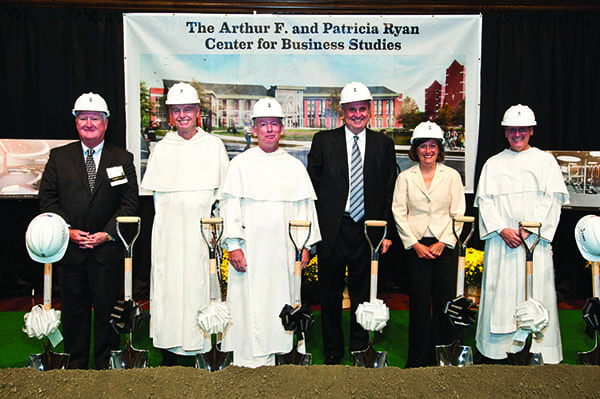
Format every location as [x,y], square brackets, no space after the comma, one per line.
[188,110]
[522,129]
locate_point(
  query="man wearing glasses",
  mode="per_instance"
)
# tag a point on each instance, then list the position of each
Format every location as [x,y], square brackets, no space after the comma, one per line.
[185,170]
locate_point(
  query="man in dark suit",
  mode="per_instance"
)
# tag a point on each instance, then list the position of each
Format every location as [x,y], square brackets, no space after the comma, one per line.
[89,183]
[348,193]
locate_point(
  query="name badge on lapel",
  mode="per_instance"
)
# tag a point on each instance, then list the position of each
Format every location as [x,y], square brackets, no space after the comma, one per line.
[116,175]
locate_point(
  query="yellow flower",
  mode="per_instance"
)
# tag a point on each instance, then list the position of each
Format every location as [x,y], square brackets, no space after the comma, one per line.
[473,267]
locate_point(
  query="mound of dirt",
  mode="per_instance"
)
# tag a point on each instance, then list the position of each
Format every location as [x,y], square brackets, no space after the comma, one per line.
[560,381]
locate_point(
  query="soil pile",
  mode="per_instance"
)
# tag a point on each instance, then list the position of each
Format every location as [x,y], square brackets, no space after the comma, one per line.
[560,381]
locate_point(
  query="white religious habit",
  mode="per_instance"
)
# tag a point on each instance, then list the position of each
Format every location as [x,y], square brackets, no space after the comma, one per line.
[261,194]
[185,176]
[524,186]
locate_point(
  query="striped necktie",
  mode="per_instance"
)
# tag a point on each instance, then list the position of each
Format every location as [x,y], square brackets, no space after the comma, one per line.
[357,207]
[90,167]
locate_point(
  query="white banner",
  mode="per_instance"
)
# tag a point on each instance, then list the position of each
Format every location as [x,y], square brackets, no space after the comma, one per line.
[417,68]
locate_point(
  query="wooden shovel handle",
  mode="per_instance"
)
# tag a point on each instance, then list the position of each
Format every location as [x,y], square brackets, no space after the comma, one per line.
[212,220]
[128,278]
[374,272]
[529,279]
[299,223]
[128,219]
[460,277]
[464,219]
[532,225]
[375,223]
[47,286]
[297,283]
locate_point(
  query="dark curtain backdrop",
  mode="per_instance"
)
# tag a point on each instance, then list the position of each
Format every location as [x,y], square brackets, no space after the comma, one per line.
[547,60]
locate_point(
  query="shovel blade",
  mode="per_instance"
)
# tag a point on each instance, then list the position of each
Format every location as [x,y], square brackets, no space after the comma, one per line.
[214,359]
[454,355]
[293,357]
[128,358]
[524,357]
[591,358]
[369,358]
[49,360]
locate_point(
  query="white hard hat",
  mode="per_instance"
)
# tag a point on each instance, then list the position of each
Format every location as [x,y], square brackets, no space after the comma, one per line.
[90,102]
[519,115]
[587,237]
[47,238]
[182,93]
[427,130]
[355,91]
[267,107]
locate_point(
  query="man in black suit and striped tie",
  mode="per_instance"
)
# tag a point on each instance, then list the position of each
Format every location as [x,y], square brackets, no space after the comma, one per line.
[353,171]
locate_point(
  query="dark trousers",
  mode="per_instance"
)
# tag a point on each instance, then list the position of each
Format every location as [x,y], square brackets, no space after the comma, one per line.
[432,285]
[352,250]
[81,287]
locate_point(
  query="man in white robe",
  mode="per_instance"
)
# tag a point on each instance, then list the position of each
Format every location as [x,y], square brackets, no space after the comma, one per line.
[520,184]
[185,170]
[265,188]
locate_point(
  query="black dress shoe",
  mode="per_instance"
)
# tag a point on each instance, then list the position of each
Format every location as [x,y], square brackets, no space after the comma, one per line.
[332,360]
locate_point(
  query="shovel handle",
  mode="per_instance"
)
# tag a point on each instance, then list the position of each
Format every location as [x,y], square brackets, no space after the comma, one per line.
[128,278]
[297,283]
[374,272]
[300,223]
[596,279]
[128,219]
[47,286]
[375,223]
[464,219]
[212,271]
[211,220]
[531,225]
[529,277]
[460,277]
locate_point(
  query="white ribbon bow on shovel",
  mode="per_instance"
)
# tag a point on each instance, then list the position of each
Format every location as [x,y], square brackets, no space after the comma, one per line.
[215,318]
[372,316]
[531,317]
[41,323]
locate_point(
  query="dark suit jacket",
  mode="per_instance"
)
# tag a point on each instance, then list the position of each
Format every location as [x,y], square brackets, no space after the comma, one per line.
[328,170]
[64,190]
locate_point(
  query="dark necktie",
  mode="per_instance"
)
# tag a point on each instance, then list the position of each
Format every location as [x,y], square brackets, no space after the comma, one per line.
[357,208]
[90,166]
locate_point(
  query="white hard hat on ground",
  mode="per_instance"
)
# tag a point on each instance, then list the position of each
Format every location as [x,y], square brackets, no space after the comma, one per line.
[267,107]
[90,102]
[427,130]
[519,115]
[182,93]
[355,91]
[587,237]
[47,238]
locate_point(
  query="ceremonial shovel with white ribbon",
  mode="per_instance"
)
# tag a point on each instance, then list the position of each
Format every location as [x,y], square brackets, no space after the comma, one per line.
[531,315]
[43,322]
[214,318]
[372,315]
[46,239]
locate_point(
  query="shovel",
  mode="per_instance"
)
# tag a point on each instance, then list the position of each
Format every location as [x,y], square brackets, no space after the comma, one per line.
[459,310]
[524,357]
[127,314]
[369,357]
[216,316]
[297,318]
[48,360]
[591,315]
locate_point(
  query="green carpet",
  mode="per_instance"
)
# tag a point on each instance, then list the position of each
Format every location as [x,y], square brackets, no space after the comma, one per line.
[15,345]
